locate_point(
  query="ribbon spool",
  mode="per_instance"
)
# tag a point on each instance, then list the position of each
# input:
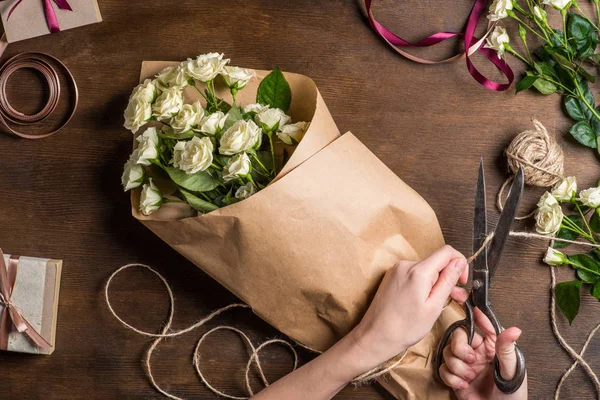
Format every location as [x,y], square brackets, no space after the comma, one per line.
[44,64]
[541,157]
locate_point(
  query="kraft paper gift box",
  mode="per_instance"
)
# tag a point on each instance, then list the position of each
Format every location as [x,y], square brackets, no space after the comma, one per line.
[34,284]
[308,252]
[29,18]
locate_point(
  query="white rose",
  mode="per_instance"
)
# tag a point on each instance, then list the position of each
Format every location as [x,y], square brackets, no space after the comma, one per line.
[539,13]
[188,117]
[498,40]
[292,132]
[194,155]
[590,197]
[245,191]
[213,123]
[255,108]
[144,91]
[236,77]
[272,119]
[237,166]
[150,199]
[170,77]
[548,219]
[147,149]
[554,257]
[168,104]
[137,113]
[133,174]
[241,136]
[565,190]
[499,8]
[558,4]
[205,67]
[547,199]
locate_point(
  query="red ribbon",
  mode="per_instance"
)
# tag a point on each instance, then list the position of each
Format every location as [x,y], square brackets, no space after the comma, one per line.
[51,18]
[11,314]
[471,43]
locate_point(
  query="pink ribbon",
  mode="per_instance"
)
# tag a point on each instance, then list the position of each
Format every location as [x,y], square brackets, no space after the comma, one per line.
[472,44]
[51,18]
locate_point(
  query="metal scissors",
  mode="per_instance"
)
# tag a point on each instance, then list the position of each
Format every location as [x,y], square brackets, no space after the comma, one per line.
[483,268]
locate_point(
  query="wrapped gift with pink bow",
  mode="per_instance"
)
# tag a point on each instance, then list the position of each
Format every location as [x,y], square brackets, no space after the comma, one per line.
[29,290]
[24,19]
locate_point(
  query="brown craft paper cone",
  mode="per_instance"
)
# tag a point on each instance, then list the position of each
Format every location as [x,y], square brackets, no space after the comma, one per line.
[308,252]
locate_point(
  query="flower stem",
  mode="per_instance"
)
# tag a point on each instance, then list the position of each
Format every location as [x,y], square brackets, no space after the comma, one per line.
[579,266]
[583,99]
[520,57]
[587,225]
[270,135]
[514,16]
[259,163]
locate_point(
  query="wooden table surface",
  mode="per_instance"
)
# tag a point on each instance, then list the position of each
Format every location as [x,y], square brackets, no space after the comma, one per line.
[61,197]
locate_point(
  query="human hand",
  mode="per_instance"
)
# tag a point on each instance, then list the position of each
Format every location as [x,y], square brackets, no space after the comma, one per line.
[468,369]
[407,304]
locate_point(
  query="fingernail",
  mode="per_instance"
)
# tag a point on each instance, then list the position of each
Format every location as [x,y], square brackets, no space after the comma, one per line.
[470,375]
[470,358]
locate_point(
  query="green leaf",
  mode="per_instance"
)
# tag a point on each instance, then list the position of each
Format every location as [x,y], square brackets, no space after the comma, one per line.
[568,298]
[595,221]
[525,83]
[544,87]
[595,125]
[544,68]
[199,182]
[197,202]
[275,91]
[562,61]
[588,268]
[582,131]
[587,93]
[564,233]
[595,290]
[168,133]
[233,115]
[577,109]
[579,28]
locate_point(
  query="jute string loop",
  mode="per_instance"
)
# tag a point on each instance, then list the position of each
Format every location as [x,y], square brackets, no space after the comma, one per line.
[540,156]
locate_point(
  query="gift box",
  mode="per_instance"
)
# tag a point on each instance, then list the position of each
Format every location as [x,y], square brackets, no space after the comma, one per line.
[29,290]
[24,19]
[308,252]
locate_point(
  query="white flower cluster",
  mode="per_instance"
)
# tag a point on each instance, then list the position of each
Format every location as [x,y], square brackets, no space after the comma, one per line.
[223,143]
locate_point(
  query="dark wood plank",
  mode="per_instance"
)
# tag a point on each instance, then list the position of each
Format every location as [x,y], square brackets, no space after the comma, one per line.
[61,197]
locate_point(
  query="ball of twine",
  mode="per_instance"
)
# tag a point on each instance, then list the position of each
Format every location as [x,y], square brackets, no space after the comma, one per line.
[540,156]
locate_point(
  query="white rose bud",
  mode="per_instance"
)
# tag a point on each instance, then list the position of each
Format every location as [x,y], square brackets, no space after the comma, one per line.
[133,174]
[272,119]
[548,219]
[565,190]
[194,155]
[547,199]
[237,166]
[558,4]
[590,197]
[188,117]
[245,191]
[292,132]
[236,77]
[212,124]
[168,104]
[147,149]
[554,257]
[241,136]
[539,13]
[205,67]
[137,113]
[499,8]
[255,108]
[144,91]
[150,199]
[498,40]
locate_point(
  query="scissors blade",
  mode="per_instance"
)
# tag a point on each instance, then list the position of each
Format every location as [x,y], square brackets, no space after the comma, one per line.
[505,222]
[480,222]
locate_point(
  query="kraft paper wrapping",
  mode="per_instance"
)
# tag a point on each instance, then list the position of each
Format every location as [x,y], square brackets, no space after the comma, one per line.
[28,19]
[36,295]
[308,252]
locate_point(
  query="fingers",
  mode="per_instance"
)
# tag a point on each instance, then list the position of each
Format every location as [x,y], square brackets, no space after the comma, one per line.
[439,259]
[452,380]
[458,294]
[505,350]
[447,280]
[460,348]
[483,323]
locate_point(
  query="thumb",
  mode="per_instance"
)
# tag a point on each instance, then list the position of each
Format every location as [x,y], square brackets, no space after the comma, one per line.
[505,350]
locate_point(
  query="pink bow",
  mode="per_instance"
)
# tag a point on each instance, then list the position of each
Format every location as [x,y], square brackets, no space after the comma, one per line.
[51,18]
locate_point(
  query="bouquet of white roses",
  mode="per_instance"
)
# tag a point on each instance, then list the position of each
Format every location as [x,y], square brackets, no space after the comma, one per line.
[583,222]
[214,154]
